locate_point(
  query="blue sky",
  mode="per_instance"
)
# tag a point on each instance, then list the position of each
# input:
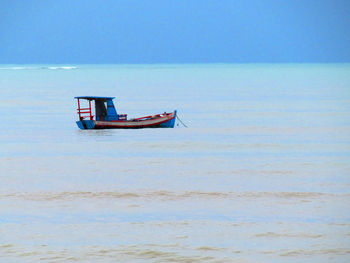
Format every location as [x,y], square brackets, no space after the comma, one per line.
[174,31]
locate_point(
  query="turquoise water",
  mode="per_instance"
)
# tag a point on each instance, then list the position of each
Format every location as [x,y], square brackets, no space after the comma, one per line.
[261,174]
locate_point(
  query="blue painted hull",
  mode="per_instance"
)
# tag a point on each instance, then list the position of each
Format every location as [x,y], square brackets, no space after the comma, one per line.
[170,123]
[86,124]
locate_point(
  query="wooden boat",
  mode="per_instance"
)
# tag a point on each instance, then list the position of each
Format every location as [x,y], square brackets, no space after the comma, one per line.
[106,116]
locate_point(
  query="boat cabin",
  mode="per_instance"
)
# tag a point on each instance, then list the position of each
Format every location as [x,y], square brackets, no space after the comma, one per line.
[102,108]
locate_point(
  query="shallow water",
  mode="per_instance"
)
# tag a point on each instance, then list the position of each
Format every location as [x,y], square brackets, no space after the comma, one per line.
[262,174]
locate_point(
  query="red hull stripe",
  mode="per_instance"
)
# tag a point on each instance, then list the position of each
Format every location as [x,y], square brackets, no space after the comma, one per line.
[133,124]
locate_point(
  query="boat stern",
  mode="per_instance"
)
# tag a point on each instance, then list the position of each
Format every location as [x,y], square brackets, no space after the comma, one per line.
[86,124]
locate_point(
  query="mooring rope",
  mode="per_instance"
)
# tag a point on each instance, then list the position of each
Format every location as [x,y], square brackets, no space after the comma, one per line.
[181,121]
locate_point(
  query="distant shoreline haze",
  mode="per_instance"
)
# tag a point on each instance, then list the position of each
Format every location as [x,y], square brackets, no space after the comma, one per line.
[174,32]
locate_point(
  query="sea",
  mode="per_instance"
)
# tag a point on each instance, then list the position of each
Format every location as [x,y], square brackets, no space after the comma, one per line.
[261,173]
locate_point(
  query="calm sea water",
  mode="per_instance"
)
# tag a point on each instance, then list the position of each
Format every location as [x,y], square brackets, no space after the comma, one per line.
[261,174]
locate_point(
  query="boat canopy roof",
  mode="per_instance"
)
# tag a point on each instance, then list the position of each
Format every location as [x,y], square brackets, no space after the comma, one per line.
[93,98]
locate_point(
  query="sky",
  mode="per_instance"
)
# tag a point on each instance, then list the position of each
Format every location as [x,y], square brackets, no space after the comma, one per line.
[174,31]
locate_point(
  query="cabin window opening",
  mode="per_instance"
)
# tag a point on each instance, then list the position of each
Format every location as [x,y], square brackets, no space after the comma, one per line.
[100,109]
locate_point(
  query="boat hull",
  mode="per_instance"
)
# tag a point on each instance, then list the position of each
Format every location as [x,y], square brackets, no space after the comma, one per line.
[161,121]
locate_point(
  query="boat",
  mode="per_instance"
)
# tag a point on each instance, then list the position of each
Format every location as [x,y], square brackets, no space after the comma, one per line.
[106,117]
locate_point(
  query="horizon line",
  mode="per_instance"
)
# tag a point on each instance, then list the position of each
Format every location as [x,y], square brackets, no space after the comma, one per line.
[176,63]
